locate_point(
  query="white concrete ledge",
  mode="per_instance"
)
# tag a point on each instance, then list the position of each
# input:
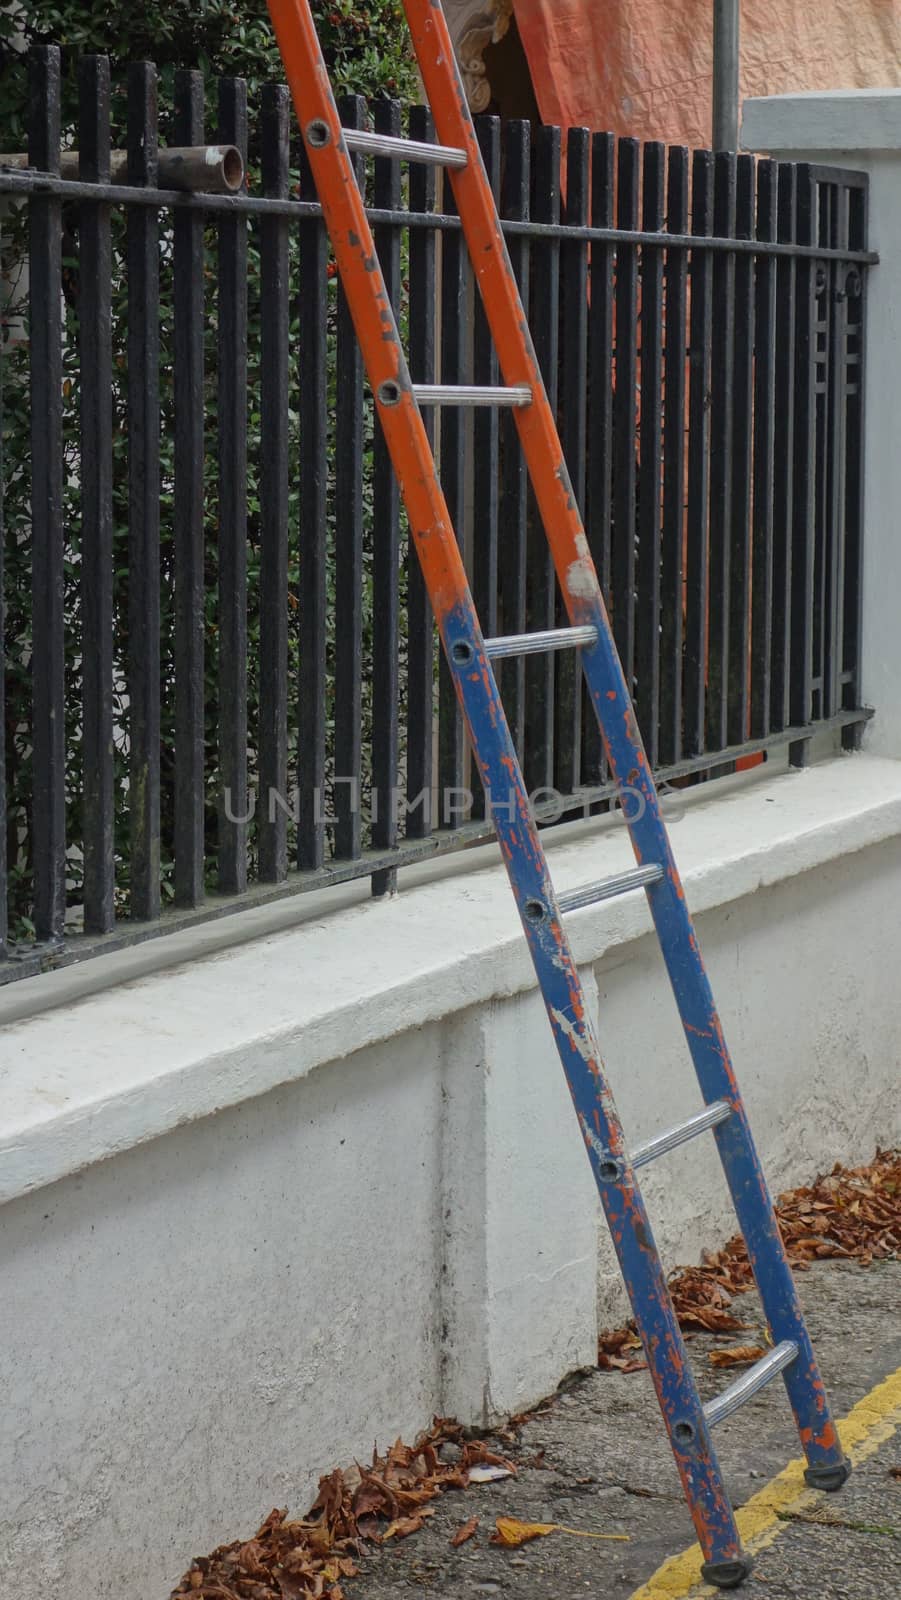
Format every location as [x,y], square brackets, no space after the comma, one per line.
[124,1066]
[842,119]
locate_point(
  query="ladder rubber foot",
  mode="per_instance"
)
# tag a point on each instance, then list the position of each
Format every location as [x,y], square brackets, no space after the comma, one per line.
[828,1478]
[727,1574]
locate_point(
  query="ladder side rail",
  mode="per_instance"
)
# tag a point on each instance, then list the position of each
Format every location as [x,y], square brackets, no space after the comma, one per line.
[475,685]
[625,750]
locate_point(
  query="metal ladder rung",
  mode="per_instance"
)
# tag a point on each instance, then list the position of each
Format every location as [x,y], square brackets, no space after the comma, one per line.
[386,144]
[458,394]
[531,644]
[751,1382]
[609,888]
[718,1111]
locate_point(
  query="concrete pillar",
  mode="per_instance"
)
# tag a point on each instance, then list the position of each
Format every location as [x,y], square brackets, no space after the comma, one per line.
[519,1256]
[861,128]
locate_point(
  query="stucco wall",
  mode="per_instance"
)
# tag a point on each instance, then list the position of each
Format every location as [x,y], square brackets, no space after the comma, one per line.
[225,1272]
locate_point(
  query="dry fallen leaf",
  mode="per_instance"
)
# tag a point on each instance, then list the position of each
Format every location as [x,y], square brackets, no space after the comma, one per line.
[307,1560]
[465,1532]
[708,1319]
[615,1351]
[851,1214]
[739,1355]
[894,1472]
[402,1527]
[512,1533]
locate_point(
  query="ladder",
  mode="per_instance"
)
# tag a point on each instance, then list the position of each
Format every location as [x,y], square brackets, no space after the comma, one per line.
[469,655]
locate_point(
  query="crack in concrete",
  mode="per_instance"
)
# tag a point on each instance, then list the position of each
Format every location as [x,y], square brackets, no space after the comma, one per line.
[647,1494]
[840,1522]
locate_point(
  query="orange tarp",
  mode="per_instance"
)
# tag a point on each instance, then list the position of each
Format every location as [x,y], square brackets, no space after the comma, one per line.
[644,67]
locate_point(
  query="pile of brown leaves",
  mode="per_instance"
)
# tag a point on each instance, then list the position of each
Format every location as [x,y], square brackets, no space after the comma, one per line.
[307,1560]
[851,1215]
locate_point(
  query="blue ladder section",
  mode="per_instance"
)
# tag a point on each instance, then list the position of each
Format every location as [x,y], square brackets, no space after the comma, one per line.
[689,1422]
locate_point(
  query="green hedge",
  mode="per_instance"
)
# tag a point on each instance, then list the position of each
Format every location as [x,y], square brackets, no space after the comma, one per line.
[366,44]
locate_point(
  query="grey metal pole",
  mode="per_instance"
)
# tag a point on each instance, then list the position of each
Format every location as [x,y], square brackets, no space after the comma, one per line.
[726,29]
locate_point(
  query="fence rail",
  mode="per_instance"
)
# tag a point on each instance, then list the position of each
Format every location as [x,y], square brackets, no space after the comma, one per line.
[221,674]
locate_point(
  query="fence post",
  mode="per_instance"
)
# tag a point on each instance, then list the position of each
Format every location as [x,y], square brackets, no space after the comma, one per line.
[96,358]
[4,921]
[144,499]
[48,579]
[386,543]
[275,326]
[189,295]
[232,407]
[420,626]
[861,131]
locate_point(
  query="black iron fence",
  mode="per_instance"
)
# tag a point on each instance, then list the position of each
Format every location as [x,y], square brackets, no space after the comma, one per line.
[221,673]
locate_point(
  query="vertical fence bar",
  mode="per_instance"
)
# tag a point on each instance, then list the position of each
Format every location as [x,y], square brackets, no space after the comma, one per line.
[4,864]
[143,500]
[451,425]
[674,421]
[486,446]
[836,445]
[722,407]
[647,642]
[540,580]
[349,559]
[804,501]
[96,465]
[697,544]
[573,435]
[854,357]
[485,422]
[232,634]
[48,799]
[823,322]
[272,823]
[386,542]
[784,443]
[515,205]
[738,693]
[599,484]
[189,512]
[312,310]
[764,446]
[420,626]
[625,403]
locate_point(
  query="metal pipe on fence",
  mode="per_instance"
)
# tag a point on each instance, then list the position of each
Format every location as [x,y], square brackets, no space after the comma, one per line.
[203,168]
[726,56]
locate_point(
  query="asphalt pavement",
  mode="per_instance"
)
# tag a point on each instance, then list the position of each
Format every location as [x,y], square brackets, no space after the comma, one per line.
[597,1461]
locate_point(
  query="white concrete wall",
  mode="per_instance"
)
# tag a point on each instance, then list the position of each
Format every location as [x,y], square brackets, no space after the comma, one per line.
[266,1207]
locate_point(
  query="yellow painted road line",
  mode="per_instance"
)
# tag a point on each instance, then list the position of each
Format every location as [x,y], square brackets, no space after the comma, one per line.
[868,1426]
